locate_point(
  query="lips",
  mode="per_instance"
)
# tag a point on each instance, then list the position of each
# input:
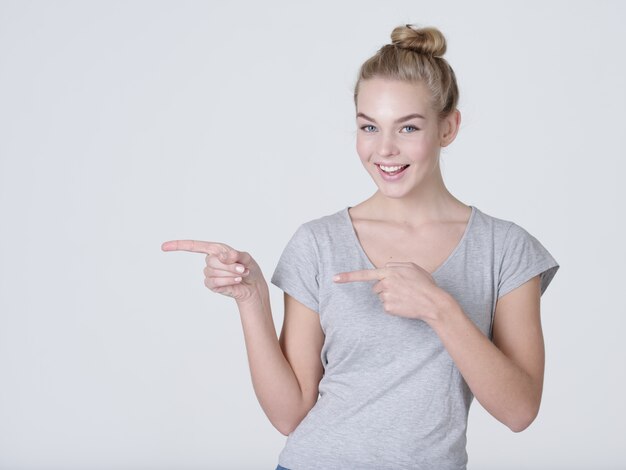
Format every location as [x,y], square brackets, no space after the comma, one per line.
[391,169]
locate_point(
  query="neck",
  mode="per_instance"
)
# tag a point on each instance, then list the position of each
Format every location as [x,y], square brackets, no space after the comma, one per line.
[430,202]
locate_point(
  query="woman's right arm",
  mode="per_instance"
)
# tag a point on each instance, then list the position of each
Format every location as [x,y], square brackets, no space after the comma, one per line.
[285,373]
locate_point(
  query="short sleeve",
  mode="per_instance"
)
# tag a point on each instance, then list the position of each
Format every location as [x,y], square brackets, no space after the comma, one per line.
[523,258]
[297,271]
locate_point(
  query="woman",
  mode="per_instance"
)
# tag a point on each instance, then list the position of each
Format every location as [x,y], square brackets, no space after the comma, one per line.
[401,309]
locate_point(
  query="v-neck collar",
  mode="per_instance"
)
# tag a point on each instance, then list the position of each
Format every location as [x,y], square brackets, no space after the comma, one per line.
[461,242]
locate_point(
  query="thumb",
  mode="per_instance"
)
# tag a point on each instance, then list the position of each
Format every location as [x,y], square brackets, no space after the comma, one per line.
[229,255]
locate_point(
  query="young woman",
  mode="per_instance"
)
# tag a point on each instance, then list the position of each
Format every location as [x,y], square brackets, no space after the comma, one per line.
[400,309]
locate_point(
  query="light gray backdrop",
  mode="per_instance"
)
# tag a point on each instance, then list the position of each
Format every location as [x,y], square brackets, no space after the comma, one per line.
[126,124]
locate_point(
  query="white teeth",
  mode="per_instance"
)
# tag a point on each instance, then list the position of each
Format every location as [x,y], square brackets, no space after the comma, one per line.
[391,168]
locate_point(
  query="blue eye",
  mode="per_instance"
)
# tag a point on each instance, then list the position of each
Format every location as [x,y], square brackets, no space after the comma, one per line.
[366,126]
[411,127]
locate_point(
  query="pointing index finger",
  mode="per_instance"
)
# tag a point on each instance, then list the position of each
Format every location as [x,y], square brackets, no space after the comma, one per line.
[361,275]
[196,246]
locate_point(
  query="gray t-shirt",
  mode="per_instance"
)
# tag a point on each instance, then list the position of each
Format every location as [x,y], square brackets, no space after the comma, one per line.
[391,397]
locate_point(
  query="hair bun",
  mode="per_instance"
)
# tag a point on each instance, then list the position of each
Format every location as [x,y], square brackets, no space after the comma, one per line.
[428,40]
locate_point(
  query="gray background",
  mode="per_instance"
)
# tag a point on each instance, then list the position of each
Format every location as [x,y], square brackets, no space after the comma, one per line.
[126,124]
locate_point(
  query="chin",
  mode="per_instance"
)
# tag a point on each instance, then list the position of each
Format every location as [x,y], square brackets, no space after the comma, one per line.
[394,193]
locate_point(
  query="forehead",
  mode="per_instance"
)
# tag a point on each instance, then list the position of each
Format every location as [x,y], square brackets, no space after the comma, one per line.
[385,98]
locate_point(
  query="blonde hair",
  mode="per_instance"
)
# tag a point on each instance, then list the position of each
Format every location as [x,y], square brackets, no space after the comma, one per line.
[415,55]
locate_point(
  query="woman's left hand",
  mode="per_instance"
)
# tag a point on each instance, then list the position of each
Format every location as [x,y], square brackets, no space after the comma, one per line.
[404,288]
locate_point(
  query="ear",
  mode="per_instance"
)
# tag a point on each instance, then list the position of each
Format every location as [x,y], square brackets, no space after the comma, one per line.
[449,127]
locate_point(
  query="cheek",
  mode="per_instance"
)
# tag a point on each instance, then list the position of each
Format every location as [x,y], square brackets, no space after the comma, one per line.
[425,148]
[423,153]
[363,149]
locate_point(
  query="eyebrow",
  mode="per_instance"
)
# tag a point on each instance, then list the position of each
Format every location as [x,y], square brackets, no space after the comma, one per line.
[402,119]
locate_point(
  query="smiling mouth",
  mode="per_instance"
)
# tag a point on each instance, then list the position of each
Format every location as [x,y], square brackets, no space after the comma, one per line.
[392,169]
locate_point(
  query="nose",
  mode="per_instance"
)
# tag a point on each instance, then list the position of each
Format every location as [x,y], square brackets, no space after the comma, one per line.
[387,145]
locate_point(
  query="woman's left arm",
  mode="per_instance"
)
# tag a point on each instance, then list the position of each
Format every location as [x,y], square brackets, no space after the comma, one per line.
[506,375]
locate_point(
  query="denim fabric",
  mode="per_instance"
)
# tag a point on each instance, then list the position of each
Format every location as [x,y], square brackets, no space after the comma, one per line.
[281,468]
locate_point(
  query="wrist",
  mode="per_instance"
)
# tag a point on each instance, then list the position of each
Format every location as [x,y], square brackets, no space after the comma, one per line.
[259,294]
[445,307]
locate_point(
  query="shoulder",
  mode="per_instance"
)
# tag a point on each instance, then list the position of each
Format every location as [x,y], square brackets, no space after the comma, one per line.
[326,225]
[518,253]
[316,236]
[325,220]
[506,234]
[495,228]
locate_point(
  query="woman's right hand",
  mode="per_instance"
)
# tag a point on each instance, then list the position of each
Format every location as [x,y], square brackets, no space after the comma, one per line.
[228,271]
